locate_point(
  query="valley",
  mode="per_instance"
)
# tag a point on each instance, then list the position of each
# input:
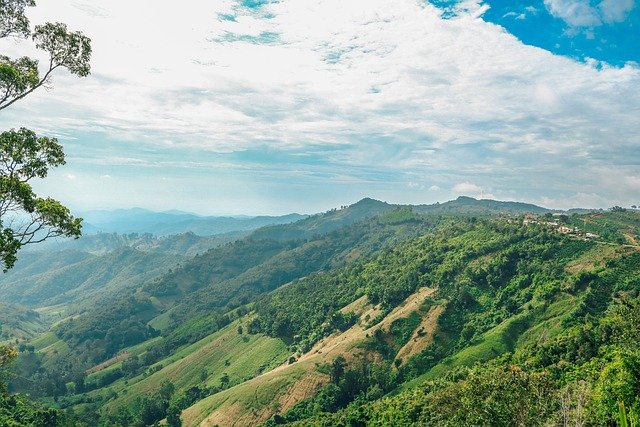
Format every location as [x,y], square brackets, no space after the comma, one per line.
[342,317]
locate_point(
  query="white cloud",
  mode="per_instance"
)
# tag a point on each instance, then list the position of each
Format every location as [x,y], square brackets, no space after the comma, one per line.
[472,190]
[615,10]
[434,188]
[368,86]
[577,13]
[577,200]
[466,188]
[580,13]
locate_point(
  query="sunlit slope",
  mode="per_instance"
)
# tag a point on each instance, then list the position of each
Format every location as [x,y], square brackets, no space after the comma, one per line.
[256,400]
[501,286]
[240,356]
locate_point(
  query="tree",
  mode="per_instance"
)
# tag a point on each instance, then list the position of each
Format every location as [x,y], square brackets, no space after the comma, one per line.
[337,369]
[24,217]
[173,415]
[224,380]
[7,354]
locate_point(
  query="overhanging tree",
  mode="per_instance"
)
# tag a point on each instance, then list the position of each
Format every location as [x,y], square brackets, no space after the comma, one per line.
[24,217]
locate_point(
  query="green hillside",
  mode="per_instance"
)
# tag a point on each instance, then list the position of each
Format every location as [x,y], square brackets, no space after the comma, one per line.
[396,318]
[19,323]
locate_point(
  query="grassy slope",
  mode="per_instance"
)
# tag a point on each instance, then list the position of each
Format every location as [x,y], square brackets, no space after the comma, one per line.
[539,324]
[239,356]
[277,391]
[536,326]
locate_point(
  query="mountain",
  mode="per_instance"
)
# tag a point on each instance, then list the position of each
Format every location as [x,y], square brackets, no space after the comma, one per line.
[77,273]
[358,315]
[137,220]
[187,244]
[469,205]
[17,322]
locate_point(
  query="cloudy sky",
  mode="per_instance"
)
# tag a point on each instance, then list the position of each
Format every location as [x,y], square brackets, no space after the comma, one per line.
[258,106]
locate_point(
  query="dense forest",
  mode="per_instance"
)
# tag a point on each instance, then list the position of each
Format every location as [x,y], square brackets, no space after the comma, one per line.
[372,314]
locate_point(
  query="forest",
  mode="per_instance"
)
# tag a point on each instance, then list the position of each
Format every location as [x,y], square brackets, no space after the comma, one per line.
[369,315]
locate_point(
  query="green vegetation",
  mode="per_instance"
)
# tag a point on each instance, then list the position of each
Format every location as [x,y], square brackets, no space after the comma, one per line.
[24,217]
[400,318]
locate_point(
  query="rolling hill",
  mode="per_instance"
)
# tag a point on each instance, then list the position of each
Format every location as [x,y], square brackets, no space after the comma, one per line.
[363,315]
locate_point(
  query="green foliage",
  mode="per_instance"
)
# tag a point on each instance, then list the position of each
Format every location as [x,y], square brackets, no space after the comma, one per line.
[618,382]
[498,397]
[24,157]
[110,329]
[17,410]
[625,419]
[24,217]
[364,382]
[145,410]
[522,315]
[500,290]
[465,259]
[13,21]
[70,50]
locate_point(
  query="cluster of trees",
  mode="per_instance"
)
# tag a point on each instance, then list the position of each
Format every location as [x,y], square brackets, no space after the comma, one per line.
[586,384]
[363,382]
[165,403]
[522,260]
[585,371]
[487,273]
[97,338]
[213,288]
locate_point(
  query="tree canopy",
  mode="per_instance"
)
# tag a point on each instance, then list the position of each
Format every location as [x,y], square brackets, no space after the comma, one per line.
[25,217]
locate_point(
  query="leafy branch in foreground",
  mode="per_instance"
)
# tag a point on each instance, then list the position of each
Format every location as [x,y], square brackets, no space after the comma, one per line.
[24,217]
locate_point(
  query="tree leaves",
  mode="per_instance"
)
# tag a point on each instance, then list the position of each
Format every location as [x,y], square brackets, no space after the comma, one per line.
[25,217]
[71,50]
[66,49]
[13,21]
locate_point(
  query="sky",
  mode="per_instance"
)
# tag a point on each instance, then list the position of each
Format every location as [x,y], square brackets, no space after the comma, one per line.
[270,107]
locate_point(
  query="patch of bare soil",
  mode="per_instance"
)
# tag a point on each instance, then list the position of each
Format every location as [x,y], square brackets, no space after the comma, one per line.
[422,336]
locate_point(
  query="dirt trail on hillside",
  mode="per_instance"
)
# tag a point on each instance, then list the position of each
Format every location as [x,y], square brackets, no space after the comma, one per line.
[409,305]
[107,363]
[344,343]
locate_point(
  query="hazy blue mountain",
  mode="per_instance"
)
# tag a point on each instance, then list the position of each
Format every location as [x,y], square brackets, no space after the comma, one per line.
[186,244]
[97,267]
[80,277]
[137,220]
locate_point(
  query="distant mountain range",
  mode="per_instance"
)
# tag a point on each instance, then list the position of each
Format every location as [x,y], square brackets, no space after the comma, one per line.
[137,220]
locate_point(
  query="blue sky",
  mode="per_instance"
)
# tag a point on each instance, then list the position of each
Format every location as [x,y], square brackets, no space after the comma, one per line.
[247,107]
